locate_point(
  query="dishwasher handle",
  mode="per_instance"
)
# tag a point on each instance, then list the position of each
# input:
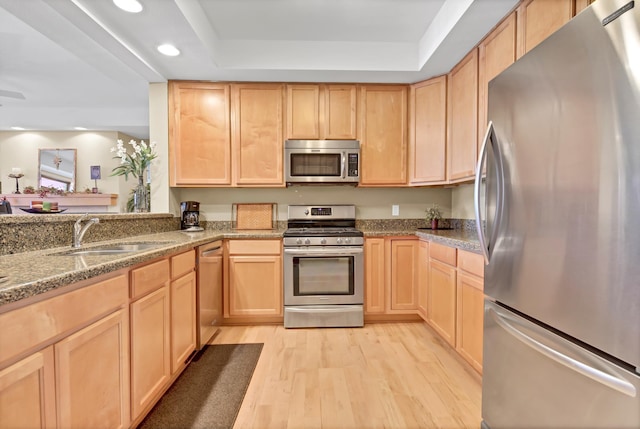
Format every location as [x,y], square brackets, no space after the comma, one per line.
[211,252]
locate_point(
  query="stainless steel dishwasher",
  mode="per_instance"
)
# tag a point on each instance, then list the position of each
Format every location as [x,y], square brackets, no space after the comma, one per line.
[209,297]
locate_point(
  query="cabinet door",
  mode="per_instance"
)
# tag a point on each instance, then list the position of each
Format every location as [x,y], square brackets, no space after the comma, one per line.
[582,4]
[183,320]
[538,19]
[374,290]
[27,392]
[150,348]
[303,111]
[404,275]
[462,132]
[255,286]
[200,134]
[442,300]
[257,134]
[423,278]
[383,142]
[495,53]
[470,313]
[339,120]
[428,131]
[92,375]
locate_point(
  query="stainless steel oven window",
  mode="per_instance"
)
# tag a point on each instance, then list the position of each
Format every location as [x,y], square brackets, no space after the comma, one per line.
[312,164]
[331,275]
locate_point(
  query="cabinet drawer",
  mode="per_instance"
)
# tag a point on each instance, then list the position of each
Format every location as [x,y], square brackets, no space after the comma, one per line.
[183,263]
[254,247]
[442,253]
[149,278]
[27,327]
[471,262]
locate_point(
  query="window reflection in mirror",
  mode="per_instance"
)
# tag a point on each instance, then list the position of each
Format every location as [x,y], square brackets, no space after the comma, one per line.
[57,169]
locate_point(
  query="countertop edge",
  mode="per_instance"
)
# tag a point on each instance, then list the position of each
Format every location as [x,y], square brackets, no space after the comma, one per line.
[176,241]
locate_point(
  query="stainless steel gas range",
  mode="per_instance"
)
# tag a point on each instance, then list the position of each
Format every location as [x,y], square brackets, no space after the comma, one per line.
[323,267]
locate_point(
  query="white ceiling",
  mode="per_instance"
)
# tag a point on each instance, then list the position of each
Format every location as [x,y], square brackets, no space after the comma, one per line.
[88,63]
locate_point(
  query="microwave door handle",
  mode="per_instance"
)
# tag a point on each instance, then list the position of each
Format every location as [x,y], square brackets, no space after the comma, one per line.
[344,165]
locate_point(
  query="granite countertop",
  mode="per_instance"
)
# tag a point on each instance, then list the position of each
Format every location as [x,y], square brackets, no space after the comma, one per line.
[32,273]
[465,239]
[23,275]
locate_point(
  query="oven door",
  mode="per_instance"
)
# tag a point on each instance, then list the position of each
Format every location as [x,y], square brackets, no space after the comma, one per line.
[323,275]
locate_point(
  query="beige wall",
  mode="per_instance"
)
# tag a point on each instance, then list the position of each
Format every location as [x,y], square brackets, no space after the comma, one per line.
[371,203]
[462,202]
[20,149]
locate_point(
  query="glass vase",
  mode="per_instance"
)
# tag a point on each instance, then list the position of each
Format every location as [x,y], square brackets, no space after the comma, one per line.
[141,197]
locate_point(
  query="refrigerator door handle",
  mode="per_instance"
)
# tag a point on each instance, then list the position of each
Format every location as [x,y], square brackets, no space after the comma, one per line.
[476,192]
[611,381]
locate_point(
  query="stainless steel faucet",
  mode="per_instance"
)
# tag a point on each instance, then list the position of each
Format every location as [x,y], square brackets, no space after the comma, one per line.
[79,230]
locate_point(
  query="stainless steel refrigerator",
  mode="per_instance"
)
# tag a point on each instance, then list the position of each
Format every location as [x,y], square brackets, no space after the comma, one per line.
[560,227]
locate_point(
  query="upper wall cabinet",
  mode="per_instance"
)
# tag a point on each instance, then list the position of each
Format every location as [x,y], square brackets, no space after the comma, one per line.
[495,53]
[257,134]
[581,4]
[538,19]
[382,133]
[321,112]
[199,134]
[428,131]
[462,118]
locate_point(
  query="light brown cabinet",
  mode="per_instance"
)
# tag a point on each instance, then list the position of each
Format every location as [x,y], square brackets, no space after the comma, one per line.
[199,134]
[403,274]
[92,375]
[319,111]
[462,119]
[382,133]
[442,291]
[391,277]
[470,316]
[428,131]
[253,286]
[257,134]
[70,368]
[374,280]
[495,53]
[27,392]
[423,279]
[183,309]
[538,19]
[150,334]
[582,4]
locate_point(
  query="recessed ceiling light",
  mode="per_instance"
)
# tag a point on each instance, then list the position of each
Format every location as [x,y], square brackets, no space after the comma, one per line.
[168,50]
[17,128]
[80,128]
[132,6]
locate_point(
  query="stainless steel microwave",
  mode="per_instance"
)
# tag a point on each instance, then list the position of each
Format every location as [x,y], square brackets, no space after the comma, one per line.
[322,162]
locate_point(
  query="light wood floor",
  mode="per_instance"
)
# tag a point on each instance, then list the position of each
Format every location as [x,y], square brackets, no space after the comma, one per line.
[388,375]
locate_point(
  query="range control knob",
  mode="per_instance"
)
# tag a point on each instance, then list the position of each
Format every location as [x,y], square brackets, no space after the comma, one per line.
[299,241]
[338,240]
[307,241]
[347,240]
[306,211]
[323,241]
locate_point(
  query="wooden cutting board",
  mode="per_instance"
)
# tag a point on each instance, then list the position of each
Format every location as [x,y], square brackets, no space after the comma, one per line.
[254,216]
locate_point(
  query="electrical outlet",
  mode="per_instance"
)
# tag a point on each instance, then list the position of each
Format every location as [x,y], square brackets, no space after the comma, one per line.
[395,210]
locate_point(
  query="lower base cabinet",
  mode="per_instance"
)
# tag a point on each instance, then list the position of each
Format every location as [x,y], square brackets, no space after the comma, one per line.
[253,286]
[442,300]
[391,277]
[80,380]
[27,392]
[92,375]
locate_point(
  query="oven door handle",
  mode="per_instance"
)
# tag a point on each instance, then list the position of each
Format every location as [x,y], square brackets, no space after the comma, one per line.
[324,251]
[344,165]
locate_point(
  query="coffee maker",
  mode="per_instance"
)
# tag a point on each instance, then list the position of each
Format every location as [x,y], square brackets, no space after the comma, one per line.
[189,216]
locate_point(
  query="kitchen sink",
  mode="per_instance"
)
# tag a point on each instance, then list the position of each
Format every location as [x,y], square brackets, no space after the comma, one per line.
[111,249]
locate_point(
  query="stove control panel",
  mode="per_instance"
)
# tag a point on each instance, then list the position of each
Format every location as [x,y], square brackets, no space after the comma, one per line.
[323,241]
